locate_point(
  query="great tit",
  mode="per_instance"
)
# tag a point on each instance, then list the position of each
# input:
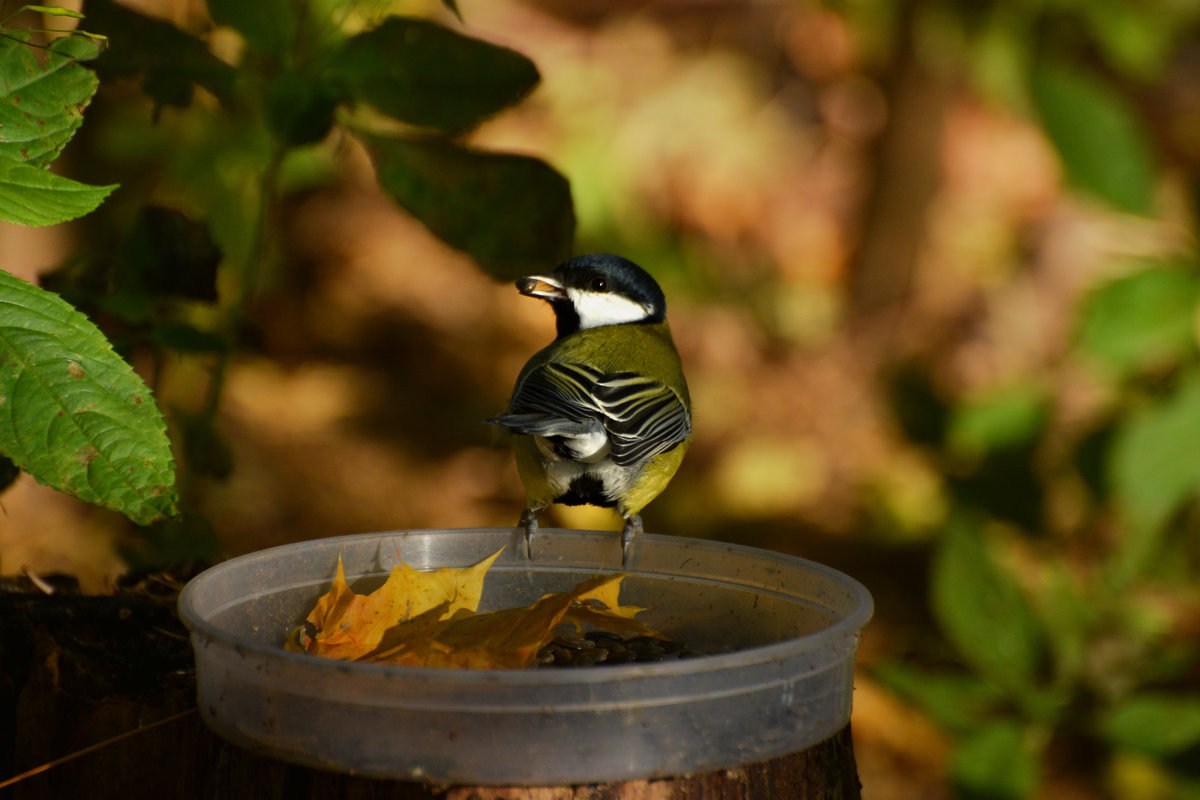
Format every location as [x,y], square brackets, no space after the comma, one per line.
[602,414]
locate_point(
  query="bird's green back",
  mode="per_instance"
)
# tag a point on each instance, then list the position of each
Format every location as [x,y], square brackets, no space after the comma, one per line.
[642,349]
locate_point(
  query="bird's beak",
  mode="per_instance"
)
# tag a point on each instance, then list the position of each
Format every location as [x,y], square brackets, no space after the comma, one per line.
[546,287]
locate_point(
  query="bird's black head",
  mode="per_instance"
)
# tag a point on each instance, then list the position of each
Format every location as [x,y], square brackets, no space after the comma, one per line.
[598,289]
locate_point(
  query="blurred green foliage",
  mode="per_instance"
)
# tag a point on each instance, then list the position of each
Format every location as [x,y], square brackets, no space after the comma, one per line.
[1059,632]
[1099,138]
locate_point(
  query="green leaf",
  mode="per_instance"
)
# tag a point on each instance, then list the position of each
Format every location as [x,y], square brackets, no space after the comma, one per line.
[32,196]
[52,11]
[169,59]
[269,26]
[1004,418]
[1136,39]
[95,38]
[41,105]
[1069,617]
[510,213]
[1153,465]
[998,762]
[957,702]
[1141,320]
[1000,54]
[1101,141]
[982,610]
[424,74]
[1158,724]
[73,414]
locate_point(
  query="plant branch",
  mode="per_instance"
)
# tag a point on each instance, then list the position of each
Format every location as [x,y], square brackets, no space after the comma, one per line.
[255,255]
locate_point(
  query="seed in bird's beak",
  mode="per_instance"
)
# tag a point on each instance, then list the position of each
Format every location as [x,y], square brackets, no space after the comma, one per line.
[543,286]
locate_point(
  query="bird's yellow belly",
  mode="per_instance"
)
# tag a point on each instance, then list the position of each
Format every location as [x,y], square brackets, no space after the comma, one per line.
[549,478]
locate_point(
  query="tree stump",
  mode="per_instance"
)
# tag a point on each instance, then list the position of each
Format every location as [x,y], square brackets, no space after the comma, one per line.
[110,681]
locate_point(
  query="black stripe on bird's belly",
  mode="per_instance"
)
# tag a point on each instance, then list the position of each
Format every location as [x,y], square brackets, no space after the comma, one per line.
[586,490]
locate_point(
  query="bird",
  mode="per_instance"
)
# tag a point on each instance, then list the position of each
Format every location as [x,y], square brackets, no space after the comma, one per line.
[602,415]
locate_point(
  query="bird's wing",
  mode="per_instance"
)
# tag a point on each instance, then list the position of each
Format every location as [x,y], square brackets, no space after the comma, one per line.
[561,390]
[641,416]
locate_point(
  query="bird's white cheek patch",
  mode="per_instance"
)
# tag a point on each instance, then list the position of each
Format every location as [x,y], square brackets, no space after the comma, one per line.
[604,308]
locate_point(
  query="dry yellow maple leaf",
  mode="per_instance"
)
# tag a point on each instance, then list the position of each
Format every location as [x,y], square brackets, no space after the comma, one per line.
[511,638]
[428,619]
[349,625]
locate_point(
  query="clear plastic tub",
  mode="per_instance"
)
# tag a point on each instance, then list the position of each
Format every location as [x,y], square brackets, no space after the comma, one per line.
[782,633]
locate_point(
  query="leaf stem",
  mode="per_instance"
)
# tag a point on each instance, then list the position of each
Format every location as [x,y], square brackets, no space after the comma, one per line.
[256,253]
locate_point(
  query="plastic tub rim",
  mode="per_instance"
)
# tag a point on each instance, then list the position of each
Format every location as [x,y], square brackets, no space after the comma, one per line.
[846,627]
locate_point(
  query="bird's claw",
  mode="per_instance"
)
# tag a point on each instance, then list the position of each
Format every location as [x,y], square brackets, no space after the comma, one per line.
[529,524]
[630,539]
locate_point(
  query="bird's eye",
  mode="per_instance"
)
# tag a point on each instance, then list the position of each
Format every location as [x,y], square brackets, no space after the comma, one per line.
[599,285]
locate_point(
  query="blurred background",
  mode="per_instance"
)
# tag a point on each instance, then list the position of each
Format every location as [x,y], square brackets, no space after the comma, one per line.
[931,266]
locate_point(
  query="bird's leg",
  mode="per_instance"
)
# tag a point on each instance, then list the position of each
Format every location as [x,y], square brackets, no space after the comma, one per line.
[529,522]
[629,540]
